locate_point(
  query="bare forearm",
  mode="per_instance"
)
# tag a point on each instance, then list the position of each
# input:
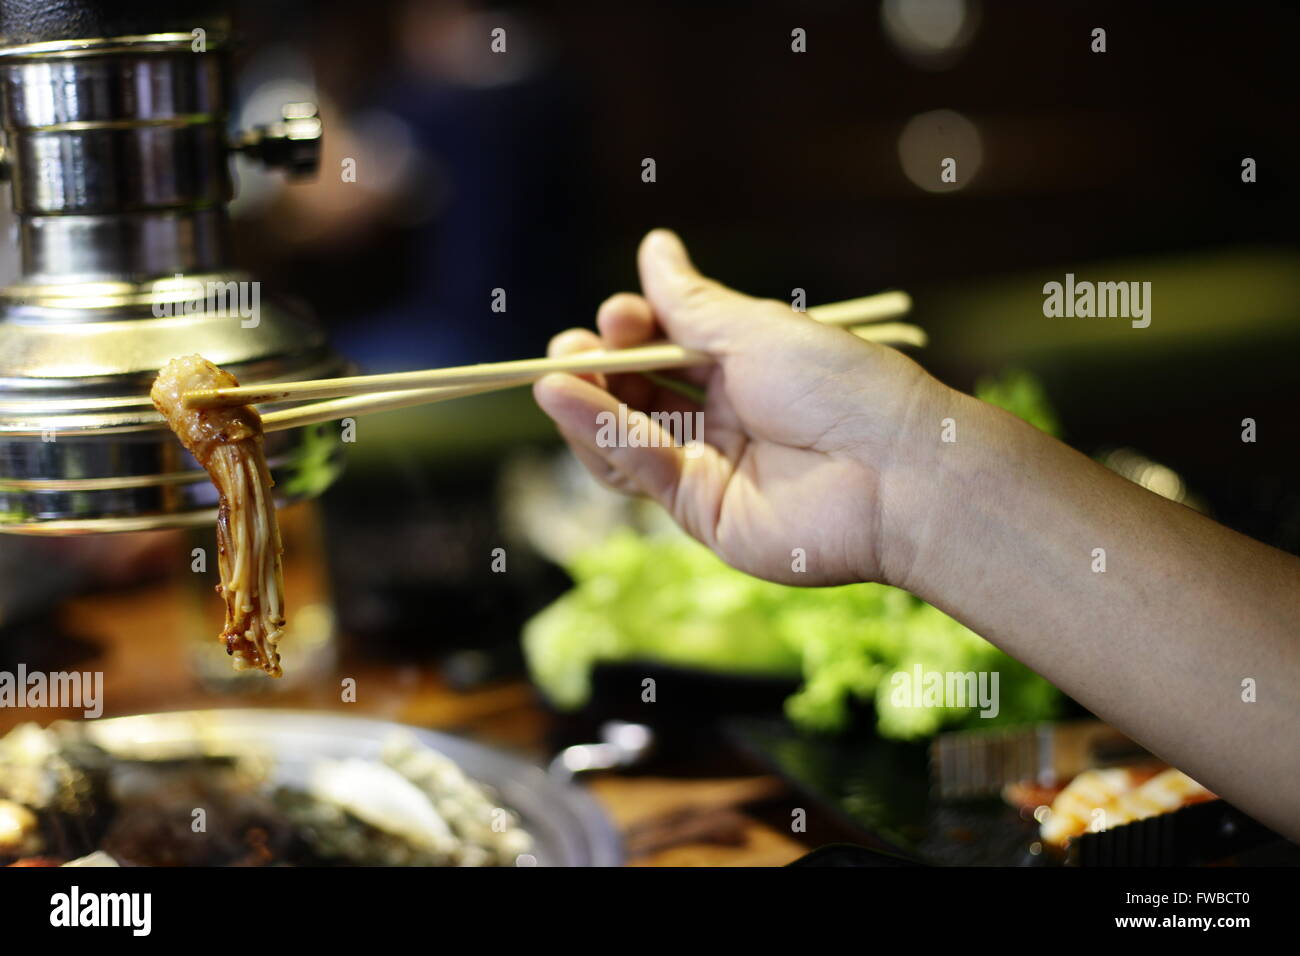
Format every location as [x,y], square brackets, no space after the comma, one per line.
[1003,534]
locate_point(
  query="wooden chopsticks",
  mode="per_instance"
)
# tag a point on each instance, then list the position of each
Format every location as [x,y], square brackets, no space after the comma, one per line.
[362,394]
[315,412]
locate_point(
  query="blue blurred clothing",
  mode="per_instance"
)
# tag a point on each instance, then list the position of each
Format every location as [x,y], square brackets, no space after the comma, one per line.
[507,216]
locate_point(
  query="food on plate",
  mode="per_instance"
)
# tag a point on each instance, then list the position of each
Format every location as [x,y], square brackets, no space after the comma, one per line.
[1166,791]
[73,803]
[19,830]
[227,442]
[1102,799]
[1072,812]
[97,859]
[413,808]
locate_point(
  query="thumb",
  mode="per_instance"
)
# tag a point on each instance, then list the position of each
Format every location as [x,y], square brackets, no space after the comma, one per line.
[694,310]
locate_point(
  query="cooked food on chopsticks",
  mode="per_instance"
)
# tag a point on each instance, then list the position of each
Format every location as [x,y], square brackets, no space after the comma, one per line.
[227,442]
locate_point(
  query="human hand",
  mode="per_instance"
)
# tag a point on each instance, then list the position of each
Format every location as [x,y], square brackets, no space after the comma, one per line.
[806,428]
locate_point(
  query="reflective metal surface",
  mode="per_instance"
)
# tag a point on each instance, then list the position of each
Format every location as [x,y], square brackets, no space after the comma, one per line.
[100,145]
[118,156]
[159,243]
[568,826]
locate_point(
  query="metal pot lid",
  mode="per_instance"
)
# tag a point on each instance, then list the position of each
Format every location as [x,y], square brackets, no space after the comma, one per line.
[118,154]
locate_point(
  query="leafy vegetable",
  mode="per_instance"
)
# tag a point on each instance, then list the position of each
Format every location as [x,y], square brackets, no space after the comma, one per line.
[1023,395]
[670,599]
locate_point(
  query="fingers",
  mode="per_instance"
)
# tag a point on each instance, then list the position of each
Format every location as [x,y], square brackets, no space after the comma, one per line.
[598,467]
[625,321]
[572,341]
[588,417]
[695,311]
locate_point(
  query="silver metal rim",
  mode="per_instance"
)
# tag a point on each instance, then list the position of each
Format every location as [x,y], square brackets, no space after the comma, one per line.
[101,46]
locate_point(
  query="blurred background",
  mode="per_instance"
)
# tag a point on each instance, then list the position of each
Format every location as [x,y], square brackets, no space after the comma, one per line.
[522,171]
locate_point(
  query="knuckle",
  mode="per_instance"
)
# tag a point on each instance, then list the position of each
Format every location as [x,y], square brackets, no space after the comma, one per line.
[700,294]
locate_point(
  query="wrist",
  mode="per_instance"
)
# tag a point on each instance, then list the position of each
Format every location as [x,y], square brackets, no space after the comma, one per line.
[931,477]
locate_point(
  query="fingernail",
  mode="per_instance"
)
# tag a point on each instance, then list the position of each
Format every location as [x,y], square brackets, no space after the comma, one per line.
[551,382]
[669,250]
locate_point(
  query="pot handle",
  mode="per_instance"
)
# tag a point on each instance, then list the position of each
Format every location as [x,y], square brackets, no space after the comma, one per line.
[622,744]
